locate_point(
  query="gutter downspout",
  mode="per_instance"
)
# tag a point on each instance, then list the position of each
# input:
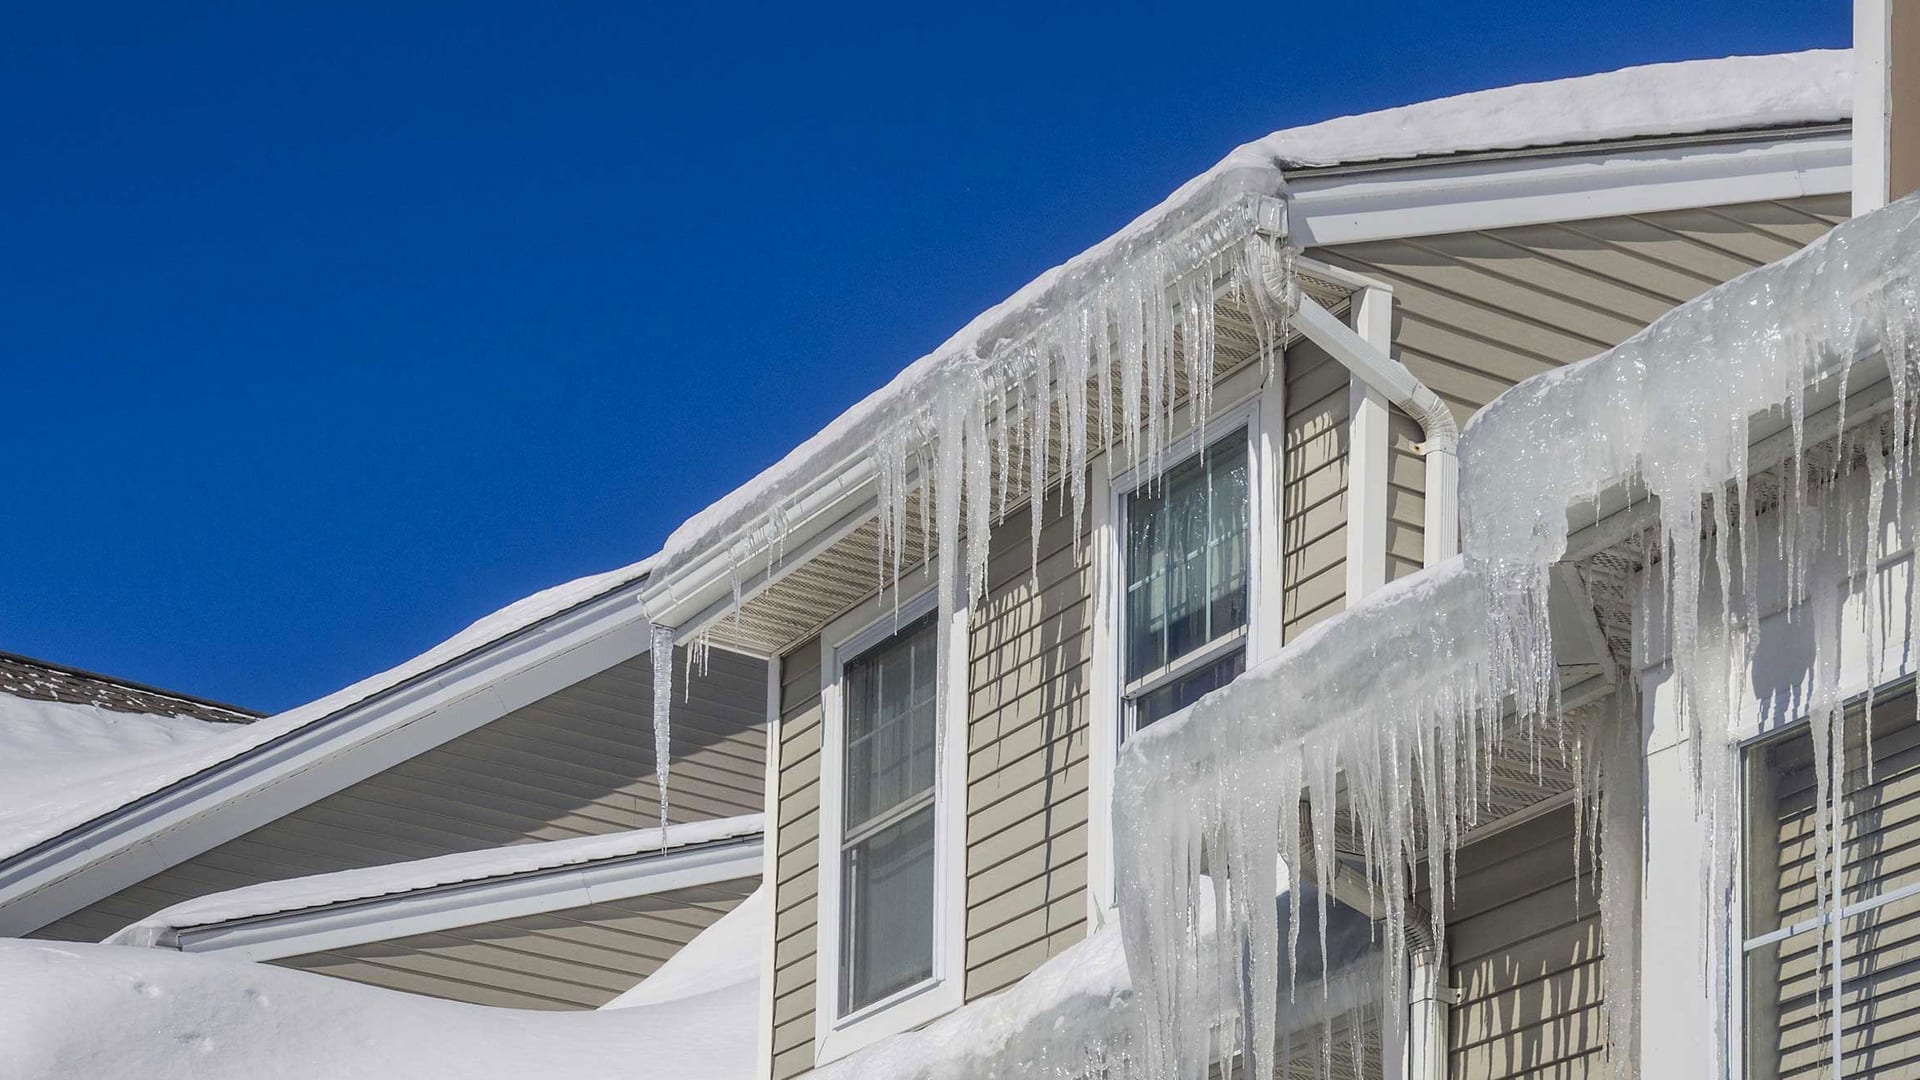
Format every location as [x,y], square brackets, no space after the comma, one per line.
[1440,442]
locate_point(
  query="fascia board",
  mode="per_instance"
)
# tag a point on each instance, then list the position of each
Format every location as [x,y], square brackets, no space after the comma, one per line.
[345,925]
[1491,193]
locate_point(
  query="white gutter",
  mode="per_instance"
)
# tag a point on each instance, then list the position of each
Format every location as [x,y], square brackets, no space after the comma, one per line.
[1440,444]
[336,925]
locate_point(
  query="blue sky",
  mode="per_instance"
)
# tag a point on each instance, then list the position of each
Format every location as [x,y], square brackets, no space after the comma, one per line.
[329,329]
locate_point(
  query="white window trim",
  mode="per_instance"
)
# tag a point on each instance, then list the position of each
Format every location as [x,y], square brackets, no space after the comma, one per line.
[836,1036]
[1261,408]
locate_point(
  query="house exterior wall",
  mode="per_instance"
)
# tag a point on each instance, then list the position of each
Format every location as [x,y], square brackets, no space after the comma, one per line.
[580,958]
[1523,942]
[1473,314]
[797,888]
[576,763]
[1028,744]
[1314,496]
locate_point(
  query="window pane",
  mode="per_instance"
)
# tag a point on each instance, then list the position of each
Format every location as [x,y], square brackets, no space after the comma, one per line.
[887,927]
[1187,557]
[890,698]
[1166,700]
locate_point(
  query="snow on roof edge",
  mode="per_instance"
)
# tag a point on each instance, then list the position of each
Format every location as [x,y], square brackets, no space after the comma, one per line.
[487,631]
[1682,97]
[393,879]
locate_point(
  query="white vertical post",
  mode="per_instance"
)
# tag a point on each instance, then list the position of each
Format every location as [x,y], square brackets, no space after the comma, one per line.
[1368,453]
[1872,128]
[769,873]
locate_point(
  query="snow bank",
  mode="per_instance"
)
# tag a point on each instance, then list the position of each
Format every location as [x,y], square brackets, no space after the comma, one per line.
[344,886]
[62,764]
[1075,1015]
[84,1011]
[25,823]
[728,953]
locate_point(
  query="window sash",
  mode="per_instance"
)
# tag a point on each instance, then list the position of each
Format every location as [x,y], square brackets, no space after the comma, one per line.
[886,944]
[1186,560]
[890,694]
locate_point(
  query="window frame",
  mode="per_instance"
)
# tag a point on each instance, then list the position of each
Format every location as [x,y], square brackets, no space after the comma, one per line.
[1219,648]
[838,1033]
[1250,399]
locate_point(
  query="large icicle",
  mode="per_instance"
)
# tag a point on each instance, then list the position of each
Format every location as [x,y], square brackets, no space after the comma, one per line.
[1366,719]
[662,656]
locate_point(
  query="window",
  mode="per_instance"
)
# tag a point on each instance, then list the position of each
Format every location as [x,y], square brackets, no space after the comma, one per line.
[1185,614]
[887,832]
[1789,942]
[891,926]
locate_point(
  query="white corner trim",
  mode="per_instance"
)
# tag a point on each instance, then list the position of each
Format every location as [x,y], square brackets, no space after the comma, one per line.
[867,625]
[423,911]
[769,875]
[1872,114]
[1350,206]
[158,831]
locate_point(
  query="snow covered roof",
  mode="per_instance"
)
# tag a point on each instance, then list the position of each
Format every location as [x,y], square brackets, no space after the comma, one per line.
[66,806]
[1684,98]
[367,883]
[43,680]
[64,762]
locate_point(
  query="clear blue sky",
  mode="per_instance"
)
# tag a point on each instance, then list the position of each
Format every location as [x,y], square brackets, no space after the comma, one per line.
[329,329]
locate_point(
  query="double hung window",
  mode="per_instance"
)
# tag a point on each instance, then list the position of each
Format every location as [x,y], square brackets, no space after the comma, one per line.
[887,844]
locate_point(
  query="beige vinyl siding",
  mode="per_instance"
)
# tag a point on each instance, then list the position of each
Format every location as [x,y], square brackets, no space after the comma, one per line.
[1523,939]
[580,958]
[1880,993]
[1476,312]
[576,763]
[797,891]
[1406,498]
[1313,502]
[1027,761]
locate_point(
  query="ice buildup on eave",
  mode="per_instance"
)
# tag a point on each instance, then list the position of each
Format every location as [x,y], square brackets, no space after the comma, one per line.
[1075,1015]
[1385,719]
[1134,274]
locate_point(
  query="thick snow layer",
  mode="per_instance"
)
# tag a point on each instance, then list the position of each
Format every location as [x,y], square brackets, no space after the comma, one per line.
[728,953]
[24,824]
[1654,99]
[61,764]
[1661,99]
[105,1011]
[1075,1015]
[344,886]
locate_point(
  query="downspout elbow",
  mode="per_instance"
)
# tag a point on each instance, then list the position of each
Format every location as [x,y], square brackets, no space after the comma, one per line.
[1371,364]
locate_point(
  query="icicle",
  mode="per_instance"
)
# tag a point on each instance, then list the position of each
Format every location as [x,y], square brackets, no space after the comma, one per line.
[662,656]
